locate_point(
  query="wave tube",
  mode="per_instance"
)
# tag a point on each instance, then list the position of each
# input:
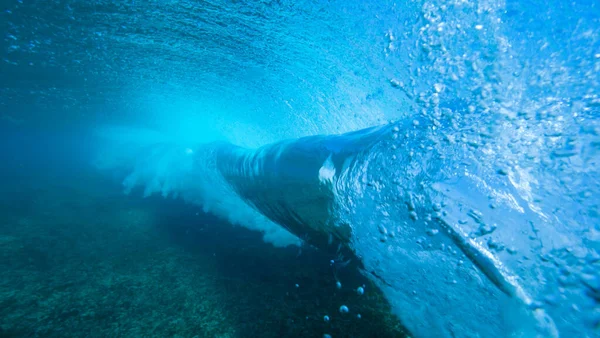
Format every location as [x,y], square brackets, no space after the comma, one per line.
[427,226]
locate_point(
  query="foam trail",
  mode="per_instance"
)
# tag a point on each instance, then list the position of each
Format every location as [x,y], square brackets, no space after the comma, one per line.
[376,192]
[162,165]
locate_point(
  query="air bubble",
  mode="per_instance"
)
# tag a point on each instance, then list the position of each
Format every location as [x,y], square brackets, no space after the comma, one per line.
[413,215]
[494,245]
[475,215]
[432,232]
[344,309]
[410,203]
[502,172]
[395,83]
[382,229]
[485,229]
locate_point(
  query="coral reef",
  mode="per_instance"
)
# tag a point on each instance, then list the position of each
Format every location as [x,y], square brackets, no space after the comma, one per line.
[79,258]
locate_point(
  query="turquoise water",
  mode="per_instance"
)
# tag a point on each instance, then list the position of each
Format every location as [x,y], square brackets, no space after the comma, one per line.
[442,153]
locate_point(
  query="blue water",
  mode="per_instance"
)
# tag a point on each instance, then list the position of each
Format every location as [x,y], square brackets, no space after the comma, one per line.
[451,146]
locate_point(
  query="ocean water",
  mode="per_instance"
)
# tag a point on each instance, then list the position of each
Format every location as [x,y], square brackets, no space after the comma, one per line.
[422,168]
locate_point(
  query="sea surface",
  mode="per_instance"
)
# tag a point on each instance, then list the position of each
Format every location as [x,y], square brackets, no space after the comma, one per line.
[273,168]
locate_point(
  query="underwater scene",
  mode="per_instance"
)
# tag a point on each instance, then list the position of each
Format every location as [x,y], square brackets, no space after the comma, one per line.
[308,168]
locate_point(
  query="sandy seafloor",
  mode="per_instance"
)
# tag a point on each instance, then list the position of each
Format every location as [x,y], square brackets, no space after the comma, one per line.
[81,259]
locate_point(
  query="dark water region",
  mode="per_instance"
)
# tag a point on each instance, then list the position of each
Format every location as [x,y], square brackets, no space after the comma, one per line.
[81,259]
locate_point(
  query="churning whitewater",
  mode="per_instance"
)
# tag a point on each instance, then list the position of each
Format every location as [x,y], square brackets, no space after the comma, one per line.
[421,222]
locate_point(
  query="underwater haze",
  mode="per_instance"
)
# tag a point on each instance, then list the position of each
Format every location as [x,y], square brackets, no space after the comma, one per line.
[418,168]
